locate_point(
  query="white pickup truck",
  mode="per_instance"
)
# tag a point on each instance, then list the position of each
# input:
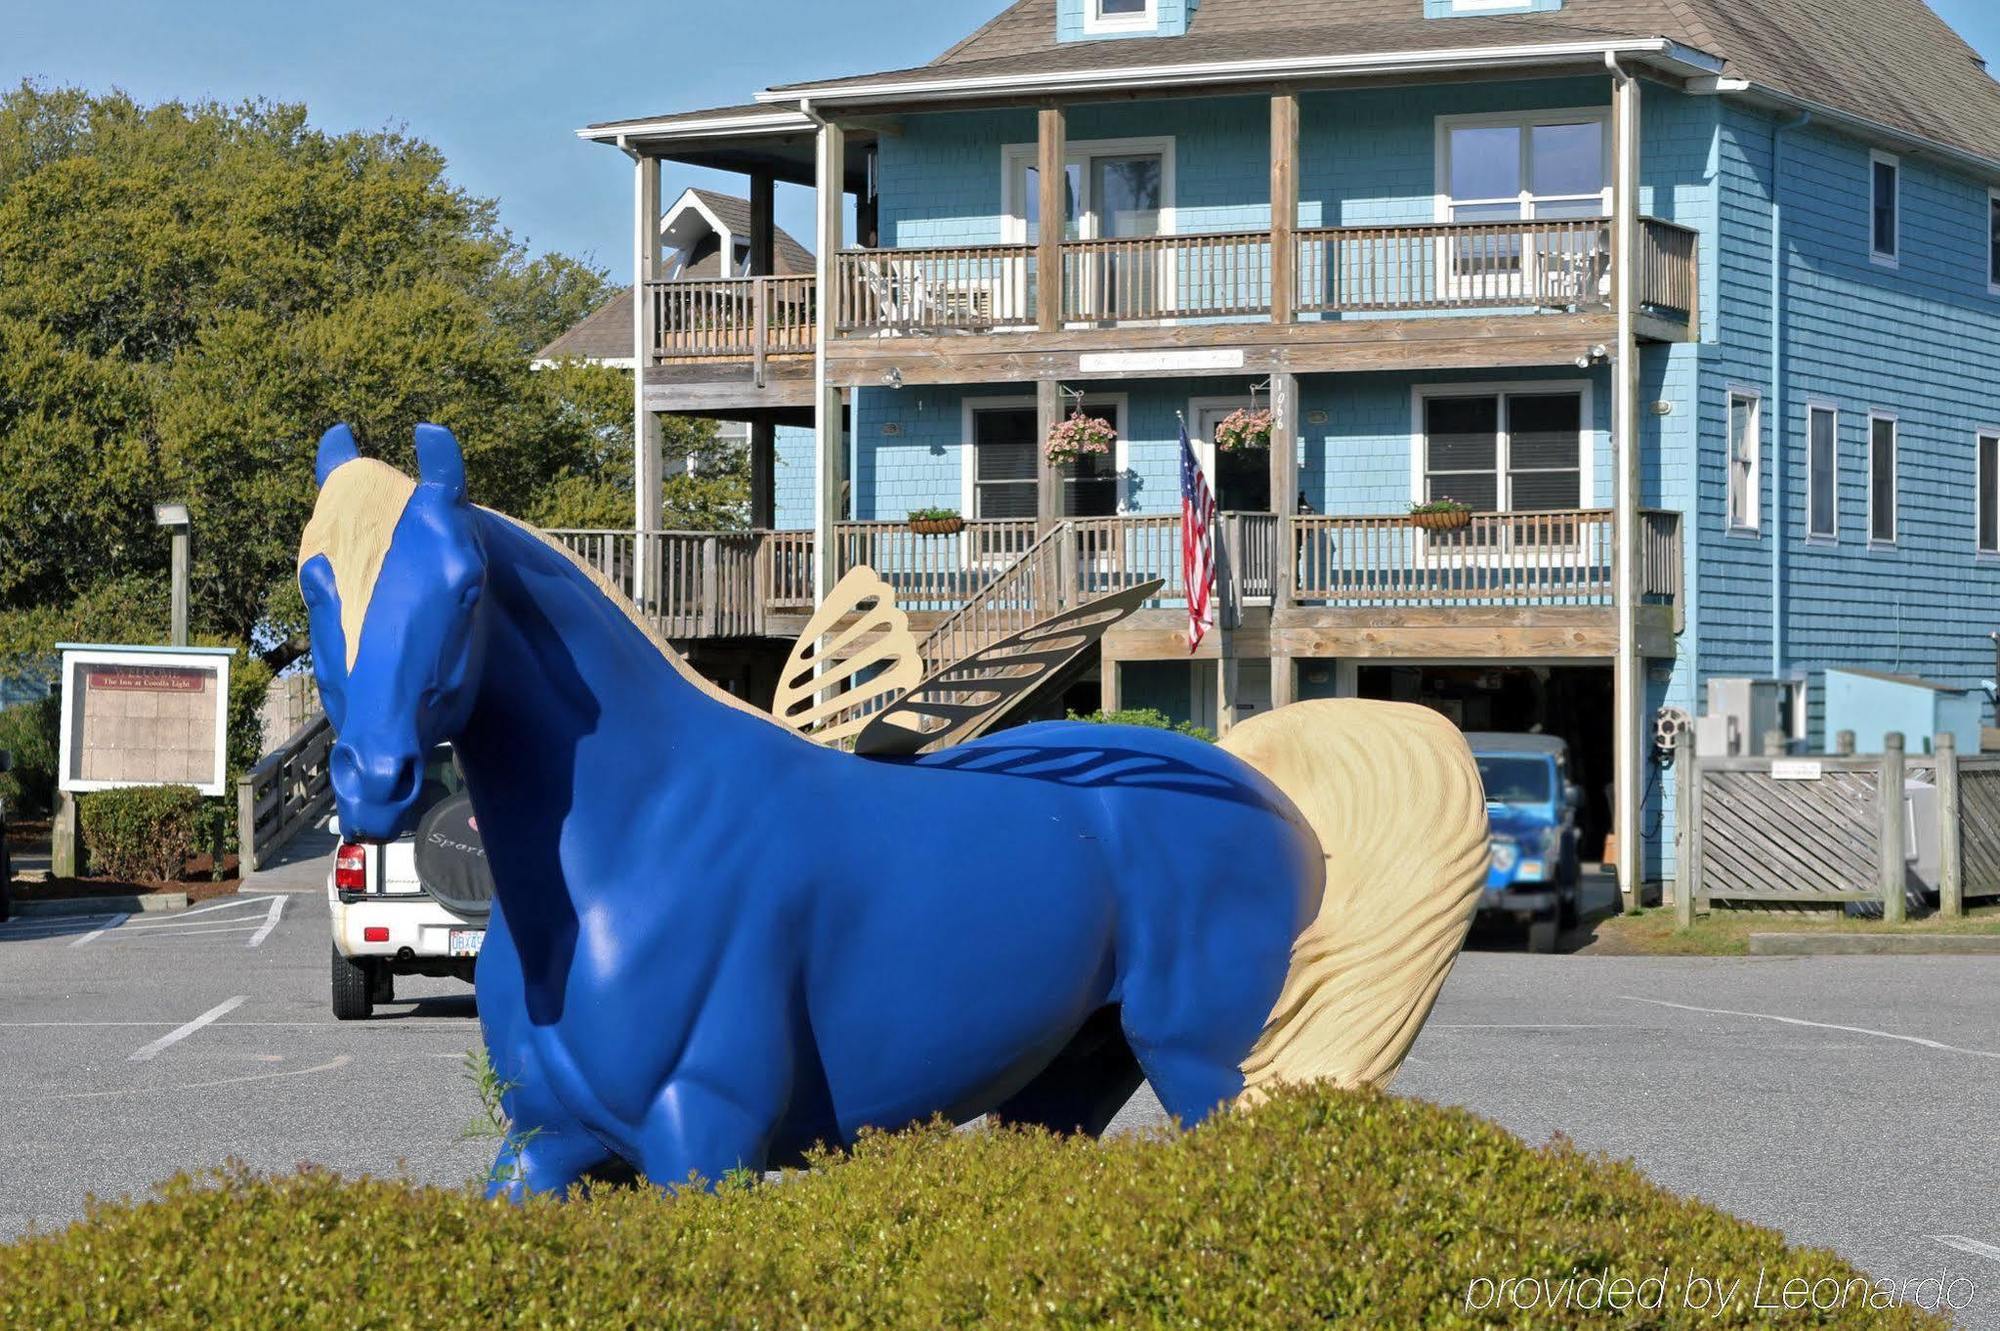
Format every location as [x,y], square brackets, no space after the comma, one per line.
[386,922]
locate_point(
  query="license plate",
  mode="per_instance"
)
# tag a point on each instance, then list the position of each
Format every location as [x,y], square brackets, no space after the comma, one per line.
[466,942]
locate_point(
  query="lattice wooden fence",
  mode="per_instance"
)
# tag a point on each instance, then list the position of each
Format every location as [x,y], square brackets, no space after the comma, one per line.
[1805,832]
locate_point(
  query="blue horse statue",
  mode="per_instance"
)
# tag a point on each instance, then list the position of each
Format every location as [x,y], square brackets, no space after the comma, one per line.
[715,944]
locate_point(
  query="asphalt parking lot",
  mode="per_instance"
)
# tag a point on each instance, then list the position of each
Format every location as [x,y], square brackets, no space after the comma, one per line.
[1847,1101]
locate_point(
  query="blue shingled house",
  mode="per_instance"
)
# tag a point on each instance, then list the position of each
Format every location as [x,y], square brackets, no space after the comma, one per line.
[1691,306]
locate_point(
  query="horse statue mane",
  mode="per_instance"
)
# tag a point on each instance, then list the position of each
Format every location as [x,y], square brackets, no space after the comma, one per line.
[714,944]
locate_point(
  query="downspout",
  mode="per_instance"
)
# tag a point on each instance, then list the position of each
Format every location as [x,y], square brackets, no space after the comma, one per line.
[1628,685]
[1776,427]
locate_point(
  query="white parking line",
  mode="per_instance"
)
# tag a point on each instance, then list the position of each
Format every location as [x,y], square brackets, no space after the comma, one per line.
[1820,1025]
[270,921]
[182,1032]
[182,916]
[218,929]
[337,1062]
[1964,1244]
[100,931]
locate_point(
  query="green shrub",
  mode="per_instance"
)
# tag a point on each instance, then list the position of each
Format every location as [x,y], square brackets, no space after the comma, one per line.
[1322,1208]
[142,833]
[32,732]
[1147,717]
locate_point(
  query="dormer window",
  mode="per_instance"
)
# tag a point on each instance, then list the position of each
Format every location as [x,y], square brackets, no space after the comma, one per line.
[1468,8]
[1109,16]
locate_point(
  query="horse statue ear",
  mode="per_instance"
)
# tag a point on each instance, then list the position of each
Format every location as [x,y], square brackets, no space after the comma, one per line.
[335,447]
[439,461]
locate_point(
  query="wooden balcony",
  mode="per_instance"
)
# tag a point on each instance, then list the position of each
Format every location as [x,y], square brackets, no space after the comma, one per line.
[1524,293]
[1507,584]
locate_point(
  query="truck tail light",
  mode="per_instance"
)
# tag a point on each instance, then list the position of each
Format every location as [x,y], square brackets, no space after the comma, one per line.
[350,867]
[375,933]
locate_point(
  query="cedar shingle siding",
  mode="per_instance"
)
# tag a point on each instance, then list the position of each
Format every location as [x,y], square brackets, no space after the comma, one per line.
[1890,61]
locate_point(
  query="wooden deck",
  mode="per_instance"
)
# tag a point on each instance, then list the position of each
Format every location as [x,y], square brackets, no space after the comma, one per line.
[1506,585]
[1416,297]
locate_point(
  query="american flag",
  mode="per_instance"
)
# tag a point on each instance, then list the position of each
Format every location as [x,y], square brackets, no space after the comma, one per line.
[1197,543]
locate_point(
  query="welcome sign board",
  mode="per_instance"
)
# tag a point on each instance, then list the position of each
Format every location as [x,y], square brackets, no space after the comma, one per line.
[145,716]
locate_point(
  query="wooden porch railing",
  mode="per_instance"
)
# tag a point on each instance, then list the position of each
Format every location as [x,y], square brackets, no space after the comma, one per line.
[1000,576]
[702,584]
[1137,278]
[731,318]
[962,288]
[1552,264]
[933,572]
[1669,268]
[1552,558]
[1455,266]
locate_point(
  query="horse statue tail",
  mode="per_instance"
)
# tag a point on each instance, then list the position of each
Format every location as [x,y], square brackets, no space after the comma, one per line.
[1394,796]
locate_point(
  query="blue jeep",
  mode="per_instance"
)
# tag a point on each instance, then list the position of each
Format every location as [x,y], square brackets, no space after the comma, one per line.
[1531,804]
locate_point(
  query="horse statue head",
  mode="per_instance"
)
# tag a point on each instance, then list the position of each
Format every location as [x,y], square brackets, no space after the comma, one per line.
[392,571]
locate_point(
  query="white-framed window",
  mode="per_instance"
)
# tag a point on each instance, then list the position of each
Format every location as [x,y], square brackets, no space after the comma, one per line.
[1986,477]
[1885,207]
[1120,15]
[1746,410]
[1822,471]
[1520,165]
[1003,443]
[1513,448]
[1993,241]
[1115,187]
[1882,500]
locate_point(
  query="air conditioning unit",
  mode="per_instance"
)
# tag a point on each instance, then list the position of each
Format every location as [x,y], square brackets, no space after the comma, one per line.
[1742,711]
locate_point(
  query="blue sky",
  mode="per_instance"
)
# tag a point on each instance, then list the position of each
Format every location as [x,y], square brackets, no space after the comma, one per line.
[501,85]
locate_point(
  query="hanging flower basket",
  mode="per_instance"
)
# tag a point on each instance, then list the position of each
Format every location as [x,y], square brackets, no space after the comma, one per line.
[1081,436]
[936,522]
[1244,432]
[1440,515]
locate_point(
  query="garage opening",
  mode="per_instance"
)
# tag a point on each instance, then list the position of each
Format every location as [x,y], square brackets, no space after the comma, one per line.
[1572,702]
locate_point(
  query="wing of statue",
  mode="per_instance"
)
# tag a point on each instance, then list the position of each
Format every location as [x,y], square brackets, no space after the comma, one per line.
[966,697]
[830,689]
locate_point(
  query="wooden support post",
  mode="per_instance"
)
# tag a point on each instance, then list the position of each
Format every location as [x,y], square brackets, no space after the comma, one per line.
[1284,482]
[1951,862]
[66,844]
[1108,692]
[828,417]
[648,467]
[763,229]
[246,824]
[1284,219]
[763,473]
[1048,477]
[1284,682]
[177,608]
[1843,744]
[1776,743]
[1895,904]
[1052,186]
[1686,777]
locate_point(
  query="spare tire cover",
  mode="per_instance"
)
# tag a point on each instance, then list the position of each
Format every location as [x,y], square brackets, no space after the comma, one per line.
[451,859]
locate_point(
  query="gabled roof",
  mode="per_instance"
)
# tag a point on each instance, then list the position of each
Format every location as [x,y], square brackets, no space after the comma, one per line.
[605,334]
[788,256]
[1892,63]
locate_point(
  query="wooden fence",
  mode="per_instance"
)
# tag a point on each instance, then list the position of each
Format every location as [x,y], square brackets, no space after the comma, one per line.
[1816,831]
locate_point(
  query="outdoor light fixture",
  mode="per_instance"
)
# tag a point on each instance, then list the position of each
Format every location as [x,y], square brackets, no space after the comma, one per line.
[178,522]
[894,377]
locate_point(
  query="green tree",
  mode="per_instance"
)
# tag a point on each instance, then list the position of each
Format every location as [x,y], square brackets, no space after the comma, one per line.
[191,294]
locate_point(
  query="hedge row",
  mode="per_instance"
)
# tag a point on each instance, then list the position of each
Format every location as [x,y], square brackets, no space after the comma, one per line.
[1321,1208]
[142,833]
